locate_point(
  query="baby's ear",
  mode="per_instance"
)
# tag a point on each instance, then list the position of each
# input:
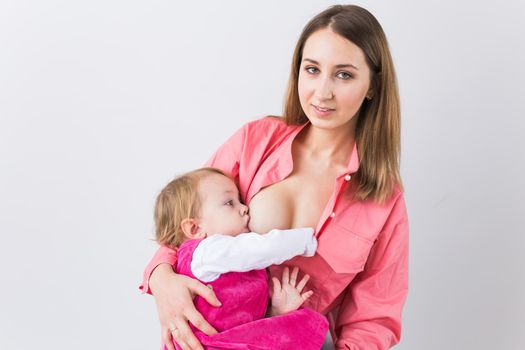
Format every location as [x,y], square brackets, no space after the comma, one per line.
[191,229]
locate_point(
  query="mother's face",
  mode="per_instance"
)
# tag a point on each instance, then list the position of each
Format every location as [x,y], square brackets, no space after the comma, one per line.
[334,79]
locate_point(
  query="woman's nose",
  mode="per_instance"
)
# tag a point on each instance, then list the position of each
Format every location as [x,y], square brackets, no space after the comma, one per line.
[325,90]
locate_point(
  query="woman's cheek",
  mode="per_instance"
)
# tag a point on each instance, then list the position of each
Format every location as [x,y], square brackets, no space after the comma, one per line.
[305,88]
[352,100]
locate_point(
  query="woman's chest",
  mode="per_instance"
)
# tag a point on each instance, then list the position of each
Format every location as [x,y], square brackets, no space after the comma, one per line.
[346,228]
[296,201]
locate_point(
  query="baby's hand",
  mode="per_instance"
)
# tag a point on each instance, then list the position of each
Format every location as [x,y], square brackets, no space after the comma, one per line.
[287,295]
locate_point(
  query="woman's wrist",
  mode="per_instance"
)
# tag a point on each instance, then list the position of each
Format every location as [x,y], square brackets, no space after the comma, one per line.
[158,275]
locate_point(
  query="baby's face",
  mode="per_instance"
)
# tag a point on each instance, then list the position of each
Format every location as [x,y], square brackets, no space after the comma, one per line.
[221,211]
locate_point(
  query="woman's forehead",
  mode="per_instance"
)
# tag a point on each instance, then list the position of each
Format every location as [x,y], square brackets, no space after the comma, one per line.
[329,48]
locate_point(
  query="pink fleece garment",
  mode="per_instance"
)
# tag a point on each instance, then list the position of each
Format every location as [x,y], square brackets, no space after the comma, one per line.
[240,320]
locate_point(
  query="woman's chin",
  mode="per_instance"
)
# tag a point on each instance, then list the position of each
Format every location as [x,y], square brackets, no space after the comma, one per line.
[330,124]
[322,122]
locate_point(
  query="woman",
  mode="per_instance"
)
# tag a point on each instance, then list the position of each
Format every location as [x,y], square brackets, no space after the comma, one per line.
[332,162]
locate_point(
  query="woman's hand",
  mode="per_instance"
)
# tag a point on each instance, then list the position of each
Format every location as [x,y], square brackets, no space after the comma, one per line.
[174,298]
[287,295]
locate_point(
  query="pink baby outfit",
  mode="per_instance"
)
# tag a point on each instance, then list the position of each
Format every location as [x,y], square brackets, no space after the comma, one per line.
[240,320]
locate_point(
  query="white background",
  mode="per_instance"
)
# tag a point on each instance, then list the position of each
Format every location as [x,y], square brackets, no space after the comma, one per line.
[103,102]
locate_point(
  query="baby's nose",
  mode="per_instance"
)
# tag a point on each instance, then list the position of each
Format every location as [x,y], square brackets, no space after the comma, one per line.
[244,210]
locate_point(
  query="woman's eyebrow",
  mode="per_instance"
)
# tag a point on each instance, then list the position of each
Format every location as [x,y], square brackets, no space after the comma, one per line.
[346,65]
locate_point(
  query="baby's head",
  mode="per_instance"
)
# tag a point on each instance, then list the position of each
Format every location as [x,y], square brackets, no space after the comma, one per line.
[199,204]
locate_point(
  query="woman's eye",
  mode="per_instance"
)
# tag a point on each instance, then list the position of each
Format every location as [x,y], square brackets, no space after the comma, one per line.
[311,70]
[344,75]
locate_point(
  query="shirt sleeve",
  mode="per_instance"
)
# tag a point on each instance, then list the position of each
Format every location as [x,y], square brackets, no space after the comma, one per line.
[220,254]
[228,156]
[163,255]
[370,313]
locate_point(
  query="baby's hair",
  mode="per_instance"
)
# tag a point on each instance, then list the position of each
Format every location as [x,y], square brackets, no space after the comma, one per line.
[177,201]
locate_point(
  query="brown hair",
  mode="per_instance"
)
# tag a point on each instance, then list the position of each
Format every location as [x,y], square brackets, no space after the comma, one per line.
[378,126]
[177,201]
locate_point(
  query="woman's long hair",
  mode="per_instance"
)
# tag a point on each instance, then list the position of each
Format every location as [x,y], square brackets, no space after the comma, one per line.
[378,125]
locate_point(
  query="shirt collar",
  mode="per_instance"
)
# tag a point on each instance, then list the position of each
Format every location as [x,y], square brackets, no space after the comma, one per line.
[353,164]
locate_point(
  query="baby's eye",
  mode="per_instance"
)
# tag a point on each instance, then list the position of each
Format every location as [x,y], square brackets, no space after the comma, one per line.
[230,202]
[344,75]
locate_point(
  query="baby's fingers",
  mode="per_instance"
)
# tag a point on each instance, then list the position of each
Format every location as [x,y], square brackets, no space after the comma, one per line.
[276,285]
[293,276]
[302,283]
[286,275]
[307,295]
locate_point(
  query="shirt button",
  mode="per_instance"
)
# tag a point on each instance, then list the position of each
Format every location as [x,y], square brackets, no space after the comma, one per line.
[348,177]
[332,215]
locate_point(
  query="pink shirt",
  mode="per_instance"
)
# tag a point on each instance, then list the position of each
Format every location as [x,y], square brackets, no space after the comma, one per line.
[359,274]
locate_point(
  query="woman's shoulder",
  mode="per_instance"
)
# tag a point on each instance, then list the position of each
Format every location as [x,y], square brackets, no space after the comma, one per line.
[267,123]
[268,130]
[396,206]
[393,206]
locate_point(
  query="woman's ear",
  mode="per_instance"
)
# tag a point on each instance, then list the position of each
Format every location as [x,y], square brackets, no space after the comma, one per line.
[191,229]
[373,86]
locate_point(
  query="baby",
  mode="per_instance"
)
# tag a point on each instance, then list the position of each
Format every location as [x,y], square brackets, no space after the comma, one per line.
[201,214]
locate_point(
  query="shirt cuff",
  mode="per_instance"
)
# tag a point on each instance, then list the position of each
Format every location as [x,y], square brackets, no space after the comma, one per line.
[164,255]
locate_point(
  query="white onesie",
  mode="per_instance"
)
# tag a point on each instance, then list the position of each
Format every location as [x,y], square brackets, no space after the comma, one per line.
[220,254]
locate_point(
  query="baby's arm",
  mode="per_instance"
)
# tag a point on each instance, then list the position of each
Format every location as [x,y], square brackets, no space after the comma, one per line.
[219,254]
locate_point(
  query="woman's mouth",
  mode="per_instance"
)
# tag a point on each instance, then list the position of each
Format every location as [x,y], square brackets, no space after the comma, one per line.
[323,111]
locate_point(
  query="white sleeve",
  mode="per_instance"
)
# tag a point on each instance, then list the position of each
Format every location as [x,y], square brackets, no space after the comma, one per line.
[219,254]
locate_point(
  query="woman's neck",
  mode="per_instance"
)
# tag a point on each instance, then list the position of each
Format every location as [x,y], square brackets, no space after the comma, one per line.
[334,145]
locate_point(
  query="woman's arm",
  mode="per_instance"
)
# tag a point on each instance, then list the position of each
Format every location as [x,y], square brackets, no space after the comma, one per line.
[174,298]
[174,293]
[228,157]
[370,314]
[163,255]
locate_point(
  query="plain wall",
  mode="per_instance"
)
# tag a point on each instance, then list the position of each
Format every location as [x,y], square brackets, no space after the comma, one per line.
[103,102]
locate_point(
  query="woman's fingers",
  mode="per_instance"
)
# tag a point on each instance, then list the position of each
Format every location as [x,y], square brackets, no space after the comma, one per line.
[207,293]
[184,336]
[178,339]
[200,322]
[293,276]
[193,344]
[302,283]
[167,338]
[184,346]
[174,297]
[286,275]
